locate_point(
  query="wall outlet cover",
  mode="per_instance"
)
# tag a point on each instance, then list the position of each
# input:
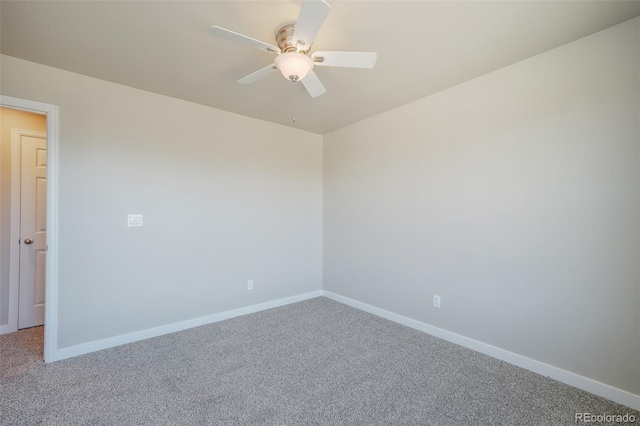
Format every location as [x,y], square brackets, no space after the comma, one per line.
[436,301]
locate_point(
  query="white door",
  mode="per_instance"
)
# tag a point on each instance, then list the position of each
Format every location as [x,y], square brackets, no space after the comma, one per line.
[33,230]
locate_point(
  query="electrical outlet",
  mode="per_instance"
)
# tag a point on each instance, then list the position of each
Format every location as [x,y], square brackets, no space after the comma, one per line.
[436,301]
[250,285]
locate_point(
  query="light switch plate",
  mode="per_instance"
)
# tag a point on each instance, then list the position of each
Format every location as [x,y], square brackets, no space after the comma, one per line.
[134,220]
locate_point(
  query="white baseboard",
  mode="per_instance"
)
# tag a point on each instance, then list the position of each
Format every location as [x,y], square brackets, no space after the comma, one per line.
[617,395]
[85,348]
[5,329]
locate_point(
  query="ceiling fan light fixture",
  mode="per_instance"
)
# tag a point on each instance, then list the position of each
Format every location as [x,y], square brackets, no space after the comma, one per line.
[294,66]
[294,57]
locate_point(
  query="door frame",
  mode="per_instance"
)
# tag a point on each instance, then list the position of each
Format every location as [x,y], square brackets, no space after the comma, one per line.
[16,220]
[51,275]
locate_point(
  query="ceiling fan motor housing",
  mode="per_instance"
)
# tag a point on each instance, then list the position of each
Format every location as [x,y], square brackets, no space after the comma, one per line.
[284,37]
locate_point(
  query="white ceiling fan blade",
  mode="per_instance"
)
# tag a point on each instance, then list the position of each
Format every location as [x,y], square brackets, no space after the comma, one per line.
[345,59]
[312,83]
[261,73]
[234,36]
[312,15]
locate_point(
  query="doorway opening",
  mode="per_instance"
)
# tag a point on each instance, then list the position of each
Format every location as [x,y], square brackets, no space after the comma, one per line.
[28,221]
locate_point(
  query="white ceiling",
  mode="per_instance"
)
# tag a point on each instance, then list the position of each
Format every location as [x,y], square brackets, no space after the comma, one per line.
[423,47]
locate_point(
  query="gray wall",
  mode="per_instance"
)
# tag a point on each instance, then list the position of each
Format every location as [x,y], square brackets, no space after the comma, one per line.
[514,197]
[225,199]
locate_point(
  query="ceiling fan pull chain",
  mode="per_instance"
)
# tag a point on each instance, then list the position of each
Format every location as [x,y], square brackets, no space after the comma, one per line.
[293,112]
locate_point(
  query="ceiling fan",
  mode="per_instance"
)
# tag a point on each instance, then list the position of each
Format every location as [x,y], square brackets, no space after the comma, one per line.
[294,43]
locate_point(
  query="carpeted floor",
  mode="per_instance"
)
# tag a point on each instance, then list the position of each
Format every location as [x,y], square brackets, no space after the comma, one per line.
[316,362]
